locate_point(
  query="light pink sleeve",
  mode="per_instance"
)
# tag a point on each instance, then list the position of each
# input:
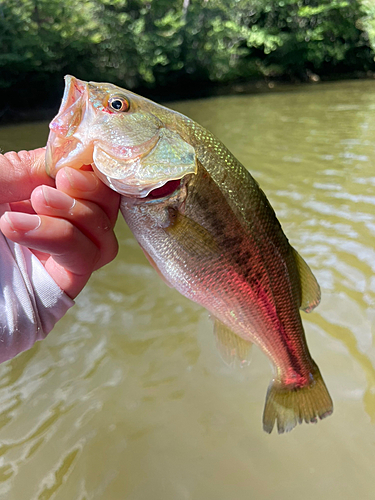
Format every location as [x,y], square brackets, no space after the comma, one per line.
[30,301]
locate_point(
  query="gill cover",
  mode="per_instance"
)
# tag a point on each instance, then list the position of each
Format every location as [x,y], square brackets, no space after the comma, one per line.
[171,158]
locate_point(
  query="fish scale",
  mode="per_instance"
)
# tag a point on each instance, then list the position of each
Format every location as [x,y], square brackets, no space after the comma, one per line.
[214,237]
[226,267]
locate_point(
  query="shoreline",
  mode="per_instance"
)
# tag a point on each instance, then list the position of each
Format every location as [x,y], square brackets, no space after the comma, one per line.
[9,116]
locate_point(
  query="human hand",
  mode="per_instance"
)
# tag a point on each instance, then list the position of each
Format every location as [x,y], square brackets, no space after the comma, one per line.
[67,222]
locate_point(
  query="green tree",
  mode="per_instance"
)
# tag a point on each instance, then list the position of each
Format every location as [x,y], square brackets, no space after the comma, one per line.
[40,41]
[176,43]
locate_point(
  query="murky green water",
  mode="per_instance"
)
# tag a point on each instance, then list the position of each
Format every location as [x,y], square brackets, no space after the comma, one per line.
[128,399]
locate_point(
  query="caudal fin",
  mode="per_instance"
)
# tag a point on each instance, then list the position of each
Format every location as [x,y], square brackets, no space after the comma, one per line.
[289,407]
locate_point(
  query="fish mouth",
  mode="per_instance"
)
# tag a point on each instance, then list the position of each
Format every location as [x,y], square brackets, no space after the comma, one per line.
[70,112]
[64,147]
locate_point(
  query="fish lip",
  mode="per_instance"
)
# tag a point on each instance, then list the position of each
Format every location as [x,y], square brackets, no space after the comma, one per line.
[65,123]
[72,103]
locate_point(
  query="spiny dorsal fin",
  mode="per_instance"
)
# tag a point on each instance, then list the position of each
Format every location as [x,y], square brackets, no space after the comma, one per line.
[230,345]
[310,288]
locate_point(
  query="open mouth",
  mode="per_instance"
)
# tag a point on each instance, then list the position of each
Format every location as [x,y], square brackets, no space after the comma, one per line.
[63,147]
[70,112]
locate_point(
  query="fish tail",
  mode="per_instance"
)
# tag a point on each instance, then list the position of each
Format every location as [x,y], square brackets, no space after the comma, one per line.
[291,406]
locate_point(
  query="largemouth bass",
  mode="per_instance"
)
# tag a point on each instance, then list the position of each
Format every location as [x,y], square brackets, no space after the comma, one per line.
[206,227]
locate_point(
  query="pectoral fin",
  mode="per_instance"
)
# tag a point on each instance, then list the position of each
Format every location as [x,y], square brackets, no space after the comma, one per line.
[230,345]
[191,236]
[310,288]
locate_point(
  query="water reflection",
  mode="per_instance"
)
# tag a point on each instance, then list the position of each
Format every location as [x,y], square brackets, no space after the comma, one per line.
[127,398]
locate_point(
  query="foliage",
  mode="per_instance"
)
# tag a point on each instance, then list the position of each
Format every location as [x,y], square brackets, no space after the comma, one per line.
[367,22]
[323,37]
[148,43]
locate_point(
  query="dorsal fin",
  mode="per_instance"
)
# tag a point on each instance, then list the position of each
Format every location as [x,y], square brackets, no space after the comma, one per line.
[310,289]
[230,345]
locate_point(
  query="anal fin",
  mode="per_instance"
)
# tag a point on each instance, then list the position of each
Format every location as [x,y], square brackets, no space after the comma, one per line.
[231,347]
[310,288]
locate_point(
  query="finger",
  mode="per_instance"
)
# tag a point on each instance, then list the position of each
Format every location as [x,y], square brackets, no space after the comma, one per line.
[22,206]
[85,185]
[88,217]
[58,237]
[20,173]
[73,255]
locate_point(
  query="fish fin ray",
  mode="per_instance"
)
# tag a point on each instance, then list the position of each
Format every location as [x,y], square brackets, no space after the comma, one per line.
[289,407]
[231,347]
[199,241]
[310,289]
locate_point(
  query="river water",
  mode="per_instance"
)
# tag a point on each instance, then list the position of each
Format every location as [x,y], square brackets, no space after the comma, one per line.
[128,399]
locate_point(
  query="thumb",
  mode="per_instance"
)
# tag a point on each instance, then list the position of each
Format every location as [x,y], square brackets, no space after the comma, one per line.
[21,173]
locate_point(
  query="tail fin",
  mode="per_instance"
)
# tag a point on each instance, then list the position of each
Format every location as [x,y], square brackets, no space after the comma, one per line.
[289,406]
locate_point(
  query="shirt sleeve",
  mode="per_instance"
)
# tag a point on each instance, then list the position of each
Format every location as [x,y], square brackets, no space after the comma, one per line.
[30,300]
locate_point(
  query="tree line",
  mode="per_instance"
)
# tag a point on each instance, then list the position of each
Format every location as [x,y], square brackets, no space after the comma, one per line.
[179,45]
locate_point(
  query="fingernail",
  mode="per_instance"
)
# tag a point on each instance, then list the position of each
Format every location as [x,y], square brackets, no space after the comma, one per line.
[57,199]
[84,181]
[22,222]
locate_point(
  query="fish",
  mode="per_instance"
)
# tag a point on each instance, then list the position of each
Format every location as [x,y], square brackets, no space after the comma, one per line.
[206,227]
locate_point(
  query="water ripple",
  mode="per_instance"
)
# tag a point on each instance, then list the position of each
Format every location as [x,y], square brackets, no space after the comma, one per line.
[127,397]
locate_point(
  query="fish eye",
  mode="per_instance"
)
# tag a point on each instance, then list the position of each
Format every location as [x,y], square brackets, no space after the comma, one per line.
[118,103]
